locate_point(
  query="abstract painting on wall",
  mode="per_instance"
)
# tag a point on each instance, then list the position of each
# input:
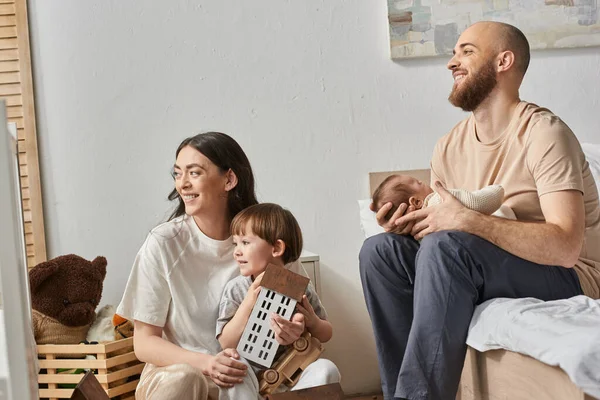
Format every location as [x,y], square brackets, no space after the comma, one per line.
[426,28]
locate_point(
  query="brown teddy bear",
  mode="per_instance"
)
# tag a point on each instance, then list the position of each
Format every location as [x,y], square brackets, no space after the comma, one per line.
[65,292]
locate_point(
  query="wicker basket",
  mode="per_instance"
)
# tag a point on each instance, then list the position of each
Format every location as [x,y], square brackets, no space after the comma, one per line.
[116,368]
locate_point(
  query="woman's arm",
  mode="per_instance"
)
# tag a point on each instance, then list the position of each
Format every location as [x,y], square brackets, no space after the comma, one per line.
[150,347]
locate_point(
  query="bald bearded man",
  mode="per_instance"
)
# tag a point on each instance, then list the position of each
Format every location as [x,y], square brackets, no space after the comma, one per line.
[421,297]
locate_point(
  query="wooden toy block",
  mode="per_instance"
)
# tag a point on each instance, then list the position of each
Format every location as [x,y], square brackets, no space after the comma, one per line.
[89,389]
[326,392]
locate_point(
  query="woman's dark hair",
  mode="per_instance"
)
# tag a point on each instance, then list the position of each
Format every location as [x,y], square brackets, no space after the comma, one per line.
[226,154]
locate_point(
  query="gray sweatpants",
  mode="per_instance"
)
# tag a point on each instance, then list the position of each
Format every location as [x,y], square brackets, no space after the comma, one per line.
[421,298]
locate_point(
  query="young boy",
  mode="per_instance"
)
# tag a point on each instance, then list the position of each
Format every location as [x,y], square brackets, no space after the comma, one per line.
[399,189]
[268,234]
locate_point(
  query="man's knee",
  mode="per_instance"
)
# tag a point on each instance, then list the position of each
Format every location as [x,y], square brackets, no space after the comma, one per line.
[439,252]
[379,247]
[445,240]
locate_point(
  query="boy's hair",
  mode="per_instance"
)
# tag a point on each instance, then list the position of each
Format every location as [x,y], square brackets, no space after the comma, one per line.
[388,191]
[271,222]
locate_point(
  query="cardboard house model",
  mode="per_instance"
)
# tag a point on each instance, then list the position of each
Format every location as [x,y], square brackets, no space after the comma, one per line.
[281,290]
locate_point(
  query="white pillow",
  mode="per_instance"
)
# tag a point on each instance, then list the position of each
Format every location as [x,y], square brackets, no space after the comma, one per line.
[368,223]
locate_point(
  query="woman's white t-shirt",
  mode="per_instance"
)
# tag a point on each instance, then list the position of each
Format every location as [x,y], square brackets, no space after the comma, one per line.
[176,283]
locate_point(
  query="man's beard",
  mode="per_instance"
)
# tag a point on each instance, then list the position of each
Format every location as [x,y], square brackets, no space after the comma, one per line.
[473,93]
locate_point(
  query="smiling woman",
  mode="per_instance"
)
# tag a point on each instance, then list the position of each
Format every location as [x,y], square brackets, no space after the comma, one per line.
[179,274]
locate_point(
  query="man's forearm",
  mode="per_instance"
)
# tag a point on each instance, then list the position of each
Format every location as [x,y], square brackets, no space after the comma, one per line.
[538,242]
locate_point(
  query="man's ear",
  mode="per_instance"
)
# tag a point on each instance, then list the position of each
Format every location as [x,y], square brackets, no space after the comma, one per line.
[232,180]
[506,60]
[40,273]
[415,202]
[278,248]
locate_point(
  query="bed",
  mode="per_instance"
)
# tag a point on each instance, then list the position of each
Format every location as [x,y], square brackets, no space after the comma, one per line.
[496,374]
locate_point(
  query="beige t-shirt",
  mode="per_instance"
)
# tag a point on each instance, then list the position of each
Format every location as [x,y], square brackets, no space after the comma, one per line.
[537,154]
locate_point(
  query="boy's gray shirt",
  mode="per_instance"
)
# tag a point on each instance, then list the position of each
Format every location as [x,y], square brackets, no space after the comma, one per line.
[235,292]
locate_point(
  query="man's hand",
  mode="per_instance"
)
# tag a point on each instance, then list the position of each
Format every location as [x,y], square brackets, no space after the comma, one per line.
[450,214]
[287,332]
[391,224]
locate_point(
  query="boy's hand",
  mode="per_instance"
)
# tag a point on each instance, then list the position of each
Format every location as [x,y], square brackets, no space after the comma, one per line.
[287,332]
[254,290]
[310,318]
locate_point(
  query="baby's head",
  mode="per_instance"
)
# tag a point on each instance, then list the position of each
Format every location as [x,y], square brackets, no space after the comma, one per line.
[399,189]
[265,234]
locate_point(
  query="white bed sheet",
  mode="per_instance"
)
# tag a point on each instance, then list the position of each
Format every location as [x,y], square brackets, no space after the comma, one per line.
[563,333]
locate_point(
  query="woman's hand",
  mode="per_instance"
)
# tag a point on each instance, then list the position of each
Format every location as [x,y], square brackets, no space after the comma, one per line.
[306,309]
[287,332]
[225,370]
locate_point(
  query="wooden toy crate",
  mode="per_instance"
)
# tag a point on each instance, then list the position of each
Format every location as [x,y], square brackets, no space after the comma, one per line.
[116,368]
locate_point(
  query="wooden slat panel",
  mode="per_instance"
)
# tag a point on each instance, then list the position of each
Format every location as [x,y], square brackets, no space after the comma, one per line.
[30,251]
[29,238]
[29,124]
[24,182]
[9,66]
[9,55]
[10,77]
[25,193]
[7,1]
[28,228]
[13,100]
[31,262]
[14,112]
[21,136]
[12,88]
[8,32]
[8,20]
[27,204]
[18,121]
[10,43]
[23,170]
[21,146]
[7,9]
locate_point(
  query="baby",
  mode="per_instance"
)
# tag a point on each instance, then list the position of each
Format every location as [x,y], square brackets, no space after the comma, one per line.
[268,234]
[399,189]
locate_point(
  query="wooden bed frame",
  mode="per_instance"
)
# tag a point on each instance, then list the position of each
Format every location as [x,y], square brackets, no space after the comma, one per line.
[502,374]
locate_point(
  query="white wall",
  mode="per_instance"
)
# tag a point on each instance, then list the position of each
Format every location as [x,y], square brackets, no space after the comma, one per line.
[306,87]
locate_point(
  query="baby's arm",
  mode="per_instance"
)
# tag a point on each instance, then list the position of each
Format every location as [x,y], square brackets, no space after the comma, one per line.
[231,332]
[315,316]
[485,201]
